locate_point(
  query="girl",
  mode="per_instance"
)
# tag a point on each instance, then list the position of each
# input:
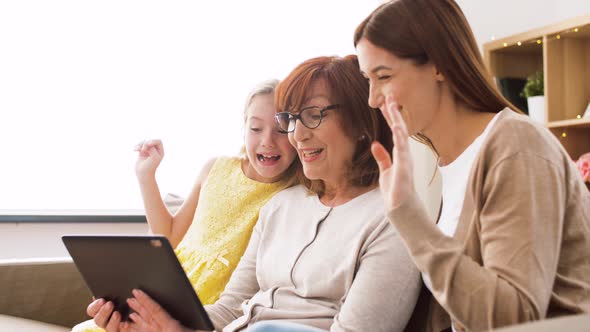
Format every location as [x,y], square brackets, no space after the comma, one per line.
[212,228]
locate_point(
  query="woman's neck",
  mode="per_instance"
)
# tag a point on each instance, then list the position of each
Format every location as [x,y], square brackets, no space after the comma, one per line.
[340,194]
[455,129]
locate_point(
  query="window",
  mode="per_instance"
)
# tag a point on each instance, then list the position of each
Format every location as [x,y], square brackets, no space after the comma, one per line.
[81,82]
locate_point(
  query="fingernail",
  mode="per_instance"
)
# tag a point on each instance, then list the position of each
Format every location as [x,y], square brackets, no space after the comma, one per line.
[136,292]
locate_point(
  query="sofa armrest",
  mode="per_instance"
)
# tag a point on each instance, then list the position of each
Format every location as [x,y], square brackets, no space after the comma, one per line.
[571,323]
[49,290]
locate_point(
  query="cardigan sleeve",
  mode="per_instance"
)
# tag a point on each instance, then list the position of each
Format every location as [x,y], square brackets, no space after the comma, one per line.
[386,282]
[242,285]
[521,206]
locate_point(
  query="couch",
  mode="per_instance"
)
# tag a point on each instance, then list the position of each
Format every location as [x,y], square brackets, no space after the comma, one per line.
[49,295]
[41,295]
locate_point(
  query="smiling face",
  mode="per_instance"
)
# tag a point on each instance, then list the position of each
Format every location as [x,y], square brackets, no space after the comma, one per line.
[417,89]
[326,151]
[267,148]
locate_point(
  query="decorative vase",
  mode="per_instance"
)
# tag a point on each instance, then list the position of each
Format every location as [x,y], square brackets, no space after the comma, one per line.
[537,108]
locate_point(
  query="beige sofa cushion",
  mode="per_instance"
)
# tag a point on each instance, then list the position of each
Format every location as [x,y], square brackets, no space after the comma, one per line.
[46,290]
[15,324]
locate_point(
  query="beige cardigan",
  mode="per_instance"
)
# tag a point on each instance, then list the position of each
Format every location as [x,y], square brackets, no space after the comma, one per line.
[521,250]
[340,269]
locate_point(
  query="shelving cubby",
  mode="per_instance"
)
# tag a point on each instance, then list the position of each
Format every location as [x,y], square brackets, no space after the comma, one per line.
[562,52]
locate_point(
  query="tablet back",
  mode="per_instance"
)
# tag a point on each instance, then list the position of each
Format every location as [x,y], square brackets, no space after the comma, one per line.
[113,265]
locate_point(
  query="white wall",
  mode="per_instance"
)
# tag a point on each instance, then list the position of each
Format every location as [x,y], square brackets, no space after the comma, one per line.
[32,240]
[501,18]
[497,18]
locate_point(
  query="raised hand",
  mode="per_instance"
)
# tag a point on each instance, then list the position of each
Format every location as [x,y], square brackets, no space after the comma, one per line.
[151,153]
[396,176]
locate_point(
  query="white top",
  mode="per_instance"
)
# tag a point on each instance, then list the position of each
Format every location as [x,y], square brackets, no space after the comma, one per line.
[337,269]
[454,184]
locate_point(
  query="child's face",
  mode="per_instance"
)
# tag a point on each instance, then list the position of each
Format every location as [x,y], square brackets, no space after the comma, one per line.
[267,147]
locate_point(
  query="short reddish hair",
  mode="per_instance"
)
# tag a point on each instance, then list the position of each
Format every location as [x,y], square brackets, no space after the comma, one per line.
[349,89]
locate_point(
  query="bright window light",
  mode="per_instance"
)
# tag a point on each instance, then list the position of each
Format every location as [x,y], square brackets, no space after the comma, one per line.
[81,82]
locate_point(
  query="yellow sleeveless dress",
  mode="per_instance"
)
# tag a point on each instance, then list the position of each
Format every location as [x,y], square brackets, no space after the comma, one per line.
[227,211]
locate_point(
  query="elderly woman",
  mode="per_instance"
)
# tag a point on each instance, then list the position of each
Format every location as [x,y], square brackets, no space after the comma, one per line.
[321,254]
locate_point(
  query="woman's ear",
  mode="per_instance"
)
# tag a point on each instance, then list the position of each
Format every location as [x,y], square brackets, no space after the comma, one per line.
[438,75]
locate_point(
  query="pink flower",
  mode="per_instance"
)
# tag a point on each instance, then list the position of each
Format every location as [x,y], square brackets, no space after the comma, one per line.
[584,166]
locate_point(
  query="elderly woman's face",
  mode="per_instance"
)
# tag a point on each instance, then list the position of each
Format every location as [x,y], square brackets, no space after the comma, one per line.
[325,151]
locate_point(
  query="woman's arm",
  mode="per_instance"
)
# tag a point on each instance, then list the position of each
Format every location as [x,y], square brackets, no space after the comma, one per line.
[385,287]
[520,225]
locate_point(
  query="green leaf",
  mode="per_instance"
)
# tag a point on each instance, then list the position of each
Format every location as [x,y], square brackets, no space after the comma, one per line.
[533,86]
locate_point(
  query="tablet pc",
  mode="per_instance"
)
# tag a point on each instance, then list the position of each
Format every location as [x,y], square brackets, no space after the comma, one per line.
[113,265]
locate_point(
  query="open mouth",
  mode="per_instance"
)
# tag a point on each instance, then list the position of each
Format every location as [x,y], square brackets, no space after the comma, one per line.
[267,158]
[309,156]
[312,153]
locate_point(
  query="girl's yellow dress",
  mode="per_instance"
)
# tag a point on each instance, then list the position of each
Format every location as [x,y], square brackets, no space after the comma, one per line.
[228,208]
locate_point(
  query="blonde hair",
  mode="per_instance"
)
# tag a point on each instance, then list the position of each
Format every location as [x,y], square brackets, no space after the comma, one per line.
[292,174]
[264,88]
[267,87]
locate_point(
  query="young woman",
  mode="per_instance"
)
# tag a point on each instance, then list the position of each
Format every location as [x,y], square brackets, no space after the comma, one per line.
[512,241]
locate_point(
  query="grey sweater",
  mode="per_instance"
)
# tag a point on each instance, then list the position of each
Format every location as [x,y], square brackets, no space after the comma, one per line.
[338,269]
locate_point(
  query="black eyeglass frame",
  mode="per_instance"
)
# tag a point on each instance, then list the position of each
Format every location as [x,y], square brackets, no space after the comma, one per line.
[297,116]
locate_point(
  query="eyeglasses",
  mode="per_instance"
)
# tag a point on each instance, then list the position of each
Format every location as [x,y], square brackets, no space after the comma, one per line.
[311,117]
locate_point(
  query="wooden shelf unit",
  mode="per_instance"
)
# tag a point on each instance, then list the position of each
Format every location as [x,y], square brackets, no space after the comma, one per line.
[562,52]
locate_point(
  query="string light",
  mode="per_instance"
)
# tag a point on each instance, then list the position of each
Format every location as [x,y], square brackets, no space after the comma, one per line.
[578,117]
[564,135]
[539,41]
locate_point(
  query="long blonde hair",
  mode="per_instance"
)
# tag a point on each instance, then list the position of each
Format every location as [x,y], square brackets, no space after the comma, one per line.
[264,88]
[292,175]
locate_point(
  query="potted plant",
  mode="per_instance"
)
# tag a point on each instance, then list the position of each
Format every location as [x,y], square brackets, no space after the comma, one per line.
[533,91]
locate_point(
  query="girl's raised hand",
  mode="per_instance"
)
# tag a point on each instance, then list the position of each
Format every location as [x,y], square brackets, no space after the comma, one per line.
[150,154]
[396,174]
